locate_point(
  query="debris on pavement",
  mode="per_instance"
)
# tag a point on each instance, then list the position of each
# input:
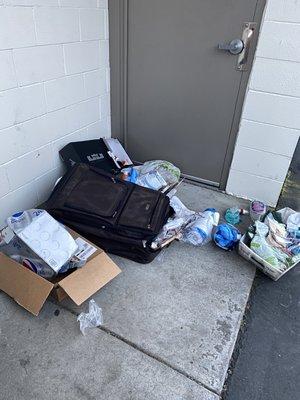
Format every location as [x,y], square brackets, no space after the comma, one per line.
[257,210]
[133,220]
[226,236]
[156,174]
[40,243]
[233,215]
[106,154]
[274,244]
[199,231]
[117,152]
[175,225]
[20,280]
[92,318]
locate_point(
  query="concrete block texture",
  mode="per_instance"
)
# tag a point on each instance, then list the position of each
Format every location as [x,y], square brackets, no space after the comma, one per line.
[16,27]
[39,63]
[92,23]
[270,120]
[54,83]
[283,10]
[8,78]
[56,25]
[83,56]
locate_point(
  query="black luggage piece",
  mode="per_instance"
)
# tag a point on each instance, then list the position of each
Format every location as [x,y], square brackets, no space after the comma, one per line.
[93,152]
[120,217]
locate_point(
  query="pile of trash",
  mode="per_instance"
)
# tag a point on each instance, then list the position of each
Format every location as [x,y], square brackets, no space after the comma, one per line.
[156,175]
[38,242]
[187,226]
[128,210]
[277,239]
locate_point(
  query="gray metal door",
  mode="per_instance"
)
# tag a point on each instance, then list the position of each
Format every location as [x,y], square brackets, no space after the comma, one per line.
[180,95]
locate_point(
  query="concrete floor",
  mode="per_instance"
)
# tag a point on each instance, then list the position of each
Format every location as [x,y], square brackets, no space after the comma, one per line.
[169,328]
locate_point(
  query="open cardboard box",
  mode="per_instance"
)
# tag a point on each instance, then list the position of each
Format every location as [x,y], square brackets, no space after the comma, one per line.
[30,290]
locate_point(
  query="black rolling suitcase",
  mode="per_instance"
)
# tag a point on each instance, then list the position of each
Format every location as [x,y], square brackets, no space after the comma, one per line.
[120,217]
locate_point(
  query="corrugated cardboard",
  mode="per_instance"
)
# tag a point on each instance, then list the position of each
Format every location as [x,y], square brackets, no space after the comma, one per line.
[24,286]
[31,291]
[82,283]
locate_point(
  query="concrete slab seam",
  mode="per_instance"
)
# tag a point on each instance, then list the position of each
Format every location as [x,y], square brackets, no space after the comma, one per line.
[147,353]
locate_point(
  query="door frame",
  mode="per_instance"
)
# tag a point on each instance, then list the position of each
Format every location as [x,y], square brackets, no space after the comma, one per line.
[118,36]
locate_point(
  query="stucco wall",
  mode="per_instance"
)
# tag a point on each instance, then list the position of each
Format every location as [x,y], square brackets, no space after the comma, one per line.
[270,124]
[54,88]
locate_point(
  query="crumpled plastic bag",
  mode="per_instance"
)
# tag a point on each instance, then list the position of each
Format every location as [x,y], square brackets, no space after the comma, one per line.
[293,225]
[199,231]
[167,170]
[226,236]
[277,232]
[92,319]
[265,246]
[260,246]
[180,209]
[175,224]
[156,174]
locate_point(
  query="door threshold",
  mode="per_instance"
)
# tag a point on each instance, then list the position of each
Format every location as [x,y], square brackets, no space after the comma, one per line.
[201,182]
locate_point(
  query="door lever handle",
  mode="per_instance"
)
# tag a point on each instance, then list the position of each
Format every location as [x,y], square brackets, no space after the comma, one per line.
[241,47]
[236,46]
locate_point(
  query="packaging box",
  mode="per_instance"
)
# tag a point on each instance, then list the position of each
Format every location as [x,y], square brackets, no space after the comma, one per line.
[30,290]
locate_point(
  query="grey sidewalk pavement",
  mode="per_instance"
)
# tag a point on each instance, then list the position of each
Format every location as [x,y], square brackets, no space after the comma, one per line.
[48,358]
[180,315]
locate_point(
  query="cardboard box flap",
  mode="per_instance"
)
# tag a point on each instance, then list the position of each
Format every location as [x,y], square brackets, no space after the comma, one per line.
[24,286]
[86,281]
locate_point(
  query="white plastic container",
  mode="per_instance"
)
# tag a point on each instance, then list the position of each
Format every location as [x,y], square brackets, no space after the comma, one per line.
[273,272]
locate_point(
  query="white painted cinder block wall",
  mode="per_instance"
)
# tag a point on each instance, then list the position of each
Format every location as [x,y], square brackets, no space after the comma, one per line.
[54,88]
[270,124]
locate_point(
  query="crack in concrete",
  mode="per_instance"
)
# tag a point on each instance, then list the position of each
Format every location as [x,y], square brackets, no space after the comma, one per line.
[145,352]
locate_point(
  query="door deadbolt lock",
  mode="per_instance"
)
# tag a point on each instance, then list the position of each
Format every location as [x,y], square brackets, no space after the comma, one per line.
[236,46]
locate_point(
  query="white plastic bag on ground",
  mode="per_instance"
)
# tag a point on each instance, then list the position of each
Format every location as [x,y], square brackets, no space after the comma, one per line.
[199,232]
[172,229]
[92,319]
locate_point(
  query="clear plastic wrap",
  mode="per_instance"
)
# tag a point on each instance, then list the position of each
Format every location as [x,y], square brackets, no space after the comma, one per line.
[173,228]
[199,232]
[157,174]
[167,170]
[265,244]
[92,319]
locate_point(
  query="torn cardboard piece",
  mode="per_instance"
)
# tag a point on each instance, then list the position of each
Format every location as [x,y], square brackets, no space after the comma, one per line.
[31,290]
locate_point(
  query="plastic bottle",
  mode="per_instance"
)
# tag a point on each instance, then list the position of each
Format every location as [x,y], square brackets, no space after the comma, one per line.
[199,232]
[233,215]
[18,221]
